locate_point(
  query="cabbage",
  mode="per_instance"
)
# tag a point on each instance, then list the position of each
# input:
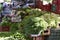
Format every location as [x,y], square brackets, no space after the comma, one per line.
[52,23]
[37,24]
[44,24]
[36,19]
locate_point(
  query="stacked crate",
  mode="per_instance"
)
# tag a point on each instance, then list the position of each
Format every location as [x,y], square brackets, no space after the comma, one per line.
[54,6]
[46,7]
[55,34]
[57,6]
[39,4]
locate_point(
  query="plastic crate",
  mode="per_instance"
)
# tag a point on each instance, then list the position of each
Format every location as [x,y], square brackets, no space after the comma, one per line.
[55,34]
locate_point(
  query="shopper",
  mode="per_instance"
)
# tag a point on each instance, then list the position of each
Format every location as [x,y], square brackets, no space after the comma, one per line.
[6,10]
[5,4]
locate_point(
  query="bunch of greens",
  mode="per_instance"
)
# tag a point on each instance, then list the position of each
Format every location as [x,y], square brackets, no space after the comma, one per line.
[5,22]
[14,27]
[33,25]
[19,36]
[51,19]
[15,36]
[37,12]
[6,34]
[38,22]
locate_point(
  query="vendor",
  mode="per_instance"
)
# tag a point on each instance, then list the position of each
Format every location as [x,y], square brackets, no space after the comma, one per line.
[14,4]
[6,9]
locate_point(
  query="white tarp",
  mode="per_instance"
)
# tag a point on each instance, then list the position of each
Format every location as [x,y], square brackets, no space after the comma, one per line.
[1,1]
[45,2]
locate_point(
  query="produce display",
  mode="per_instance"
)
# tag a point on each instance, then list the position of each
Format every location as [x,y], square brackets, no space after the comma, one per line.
[33,21]
[37,21]
[18,20]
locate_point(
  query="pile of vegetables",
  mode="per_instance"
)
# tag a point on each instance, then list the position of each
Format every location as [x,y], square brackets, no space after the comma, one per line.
[34,21]
[38,21]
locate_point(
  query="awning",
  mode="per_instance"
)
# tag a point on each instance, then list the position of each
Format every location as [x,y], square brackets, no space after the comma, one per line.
[1,1]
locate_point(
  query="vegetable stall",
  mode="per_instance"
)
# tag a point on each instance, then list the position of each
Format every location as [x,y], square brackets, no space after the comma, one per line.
[33,21]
